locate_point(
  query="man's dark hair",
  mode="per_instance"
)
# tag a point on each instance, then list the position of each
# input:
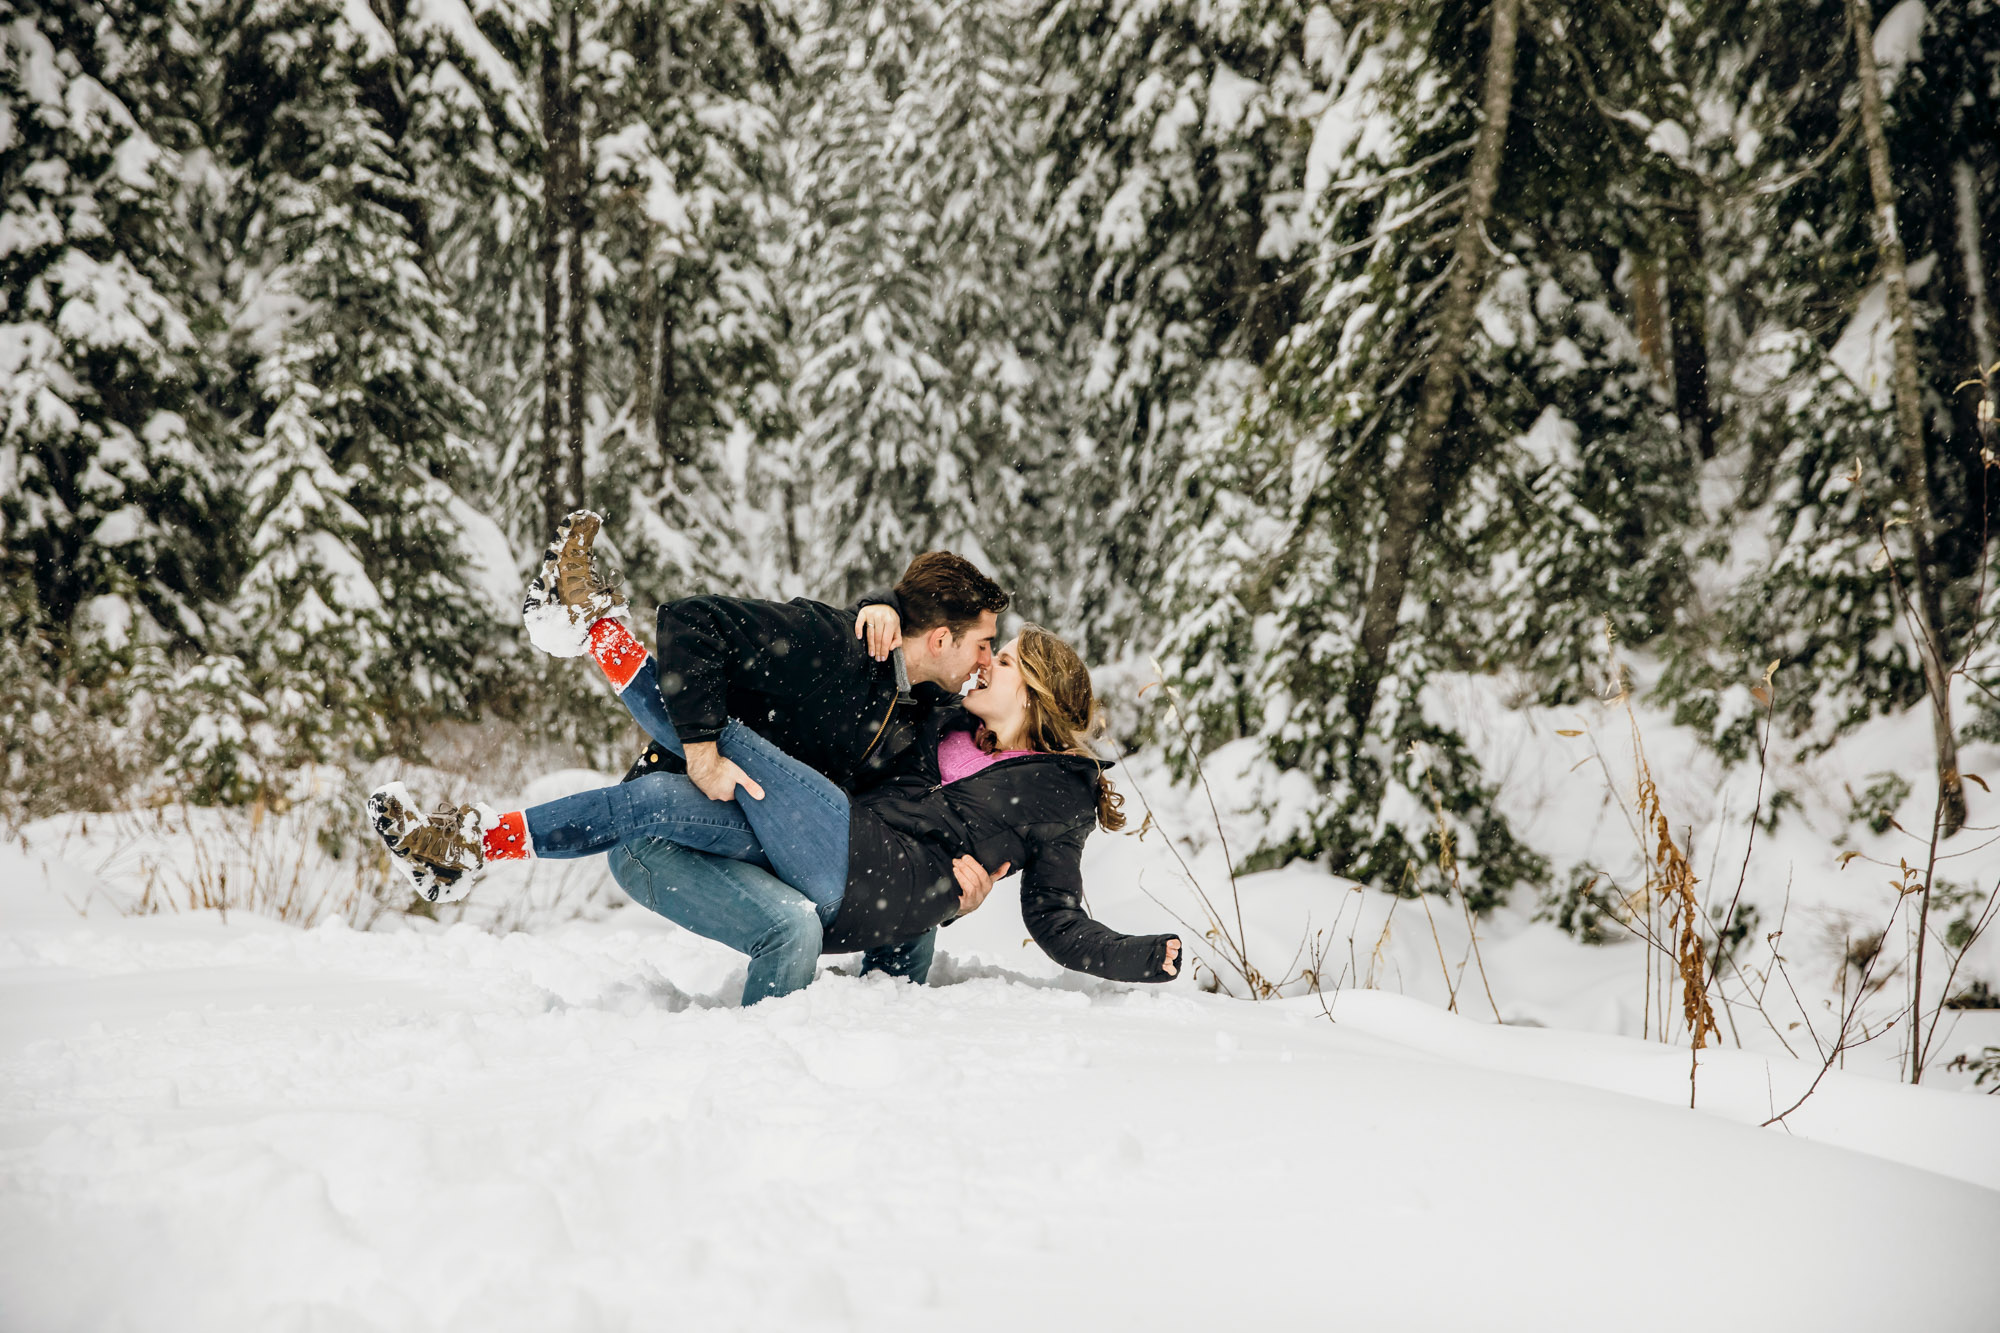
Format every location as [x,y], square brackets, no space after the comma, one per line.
[940,588]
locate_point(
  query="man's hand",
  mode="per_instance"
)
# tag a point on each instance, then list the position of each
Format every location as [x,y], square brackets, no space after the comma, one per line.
[974,883]
[717,777]
[1172,966]
[882,628]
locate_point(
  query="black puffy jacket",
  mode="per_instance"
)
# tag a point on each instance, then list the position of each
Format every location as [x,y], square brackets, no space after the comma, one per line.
[1033,812]
[794,673]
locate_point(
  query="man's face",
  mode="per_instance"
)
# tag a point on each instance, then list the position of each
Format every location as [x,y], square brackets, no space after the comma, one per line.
[969,652]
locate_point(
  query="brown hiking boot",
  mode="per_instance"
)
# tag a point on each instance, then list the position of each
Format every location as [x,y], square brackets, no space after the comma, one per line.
[568,595]
[443,854]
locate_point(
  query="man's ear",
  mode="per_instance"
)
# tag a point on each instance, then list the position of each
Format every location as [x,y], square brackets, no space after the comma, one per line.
[938,639]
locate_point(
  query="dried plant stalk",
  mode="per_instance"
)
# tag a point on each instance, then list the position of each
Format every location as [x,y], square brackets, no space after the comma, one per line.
[1671,881]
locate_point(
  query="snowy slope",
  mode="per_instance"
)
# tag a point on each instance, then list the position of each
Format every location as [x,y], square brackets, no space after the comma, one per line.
[250,1125]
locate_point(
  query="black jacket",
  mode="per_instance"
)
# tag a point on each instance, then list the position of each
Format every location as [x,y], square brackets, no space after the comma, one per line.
[794,673]
[1033,812]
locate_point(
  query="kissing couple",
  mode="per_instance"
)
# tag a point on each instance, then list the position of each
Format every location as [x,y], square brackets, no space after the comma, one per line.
[816,782]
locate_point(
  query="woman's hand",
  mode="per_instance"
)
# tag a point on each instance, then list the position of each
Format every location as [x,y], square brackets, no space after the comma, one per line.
[1172,966]
[974,883]
[881,628]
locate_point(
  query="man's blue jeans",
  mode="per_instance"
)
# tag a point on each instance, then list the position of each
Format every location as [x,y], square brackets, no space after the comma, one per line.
[701,863]
[750,910]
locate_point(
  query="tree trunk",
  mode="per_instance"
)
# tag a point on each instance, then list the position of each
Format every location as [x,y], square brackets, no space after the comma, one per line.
[1414,489]
[645,320]
[645,47]
[576,221]
[1972,259]
[1927,604]
[1649,320]
[663,397]
[1687,317]
[549,252]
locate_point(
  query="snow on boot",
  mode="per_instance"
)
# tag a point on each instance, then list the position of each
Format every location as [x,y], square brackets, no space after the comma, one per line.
[568,595]
[442,855]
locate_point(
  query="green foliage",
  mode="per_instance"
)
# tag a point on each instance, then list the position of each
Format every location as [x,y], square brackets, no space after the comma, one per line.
[1132,301]
[1877,806]
[1175,202]
[1586,908]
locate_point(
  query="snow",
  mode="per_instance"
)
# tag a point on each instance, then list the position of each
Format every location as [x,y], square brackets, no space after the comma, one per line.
[1899,37]
[1505,311]
[237,1125]
[548,1110]
[1167,130]
[1126,212]
[1552,441]
[556,631]
[1668,138]
[1866,350]
[1326,45]
[376,41]
[1229,98]
[122,527]
[489,558]
[1350,131]
[455,21]
[34,61]
[108,619]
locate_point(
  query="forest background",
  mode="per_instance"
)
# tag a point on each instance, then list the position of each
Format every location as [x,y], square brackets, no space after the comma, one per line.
[1301,354]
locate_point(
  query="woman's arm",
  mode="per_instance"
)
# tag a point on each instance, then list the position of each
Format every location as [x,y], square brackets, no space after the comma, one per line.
[1052,907]
[878,624]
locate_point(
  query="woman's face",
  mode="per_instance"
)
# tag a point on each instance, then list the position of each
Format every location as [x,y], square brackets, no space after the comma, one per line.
[999,698]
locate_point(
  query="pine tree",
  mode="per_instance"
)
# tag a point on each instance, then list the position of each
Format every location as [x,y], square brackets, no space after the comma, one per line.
[106,476]
[1174,153]
[1811,389]
[609,249]
[915,288]
[694,420]
[355,608]
[1416,491]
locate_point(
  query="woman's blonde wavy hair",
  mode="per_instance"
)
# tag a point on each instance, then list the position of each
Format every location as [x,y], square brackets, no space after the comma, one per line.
[1063,716]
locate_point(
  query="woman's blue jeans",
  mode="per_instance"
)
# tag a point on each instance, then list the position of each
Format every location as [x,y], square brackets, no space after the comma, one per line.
[798,829]
[702,863]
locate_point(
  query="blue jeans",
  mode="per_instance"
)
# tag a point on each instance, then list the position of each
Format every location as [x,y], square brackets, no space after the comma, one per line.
[729,901]
[751,911]
[798,828]
[700,863]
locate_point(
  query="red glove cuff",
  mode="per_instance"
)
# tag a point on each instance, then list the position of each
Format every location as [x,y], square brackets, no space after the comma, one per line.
[617,653]
[508,840]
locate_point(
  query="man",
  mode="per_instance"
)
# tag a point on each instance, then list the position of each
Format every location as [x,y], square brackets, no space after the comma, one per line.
[796,672]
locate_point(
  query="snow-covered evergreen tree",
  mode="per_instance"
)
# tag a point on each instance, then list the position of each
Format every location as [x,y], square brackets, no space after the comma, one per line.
[1816,479]
[692,421]
[1174,154]
[1556,496]
[915,294]
[671,112]
[106,480]
[355,609]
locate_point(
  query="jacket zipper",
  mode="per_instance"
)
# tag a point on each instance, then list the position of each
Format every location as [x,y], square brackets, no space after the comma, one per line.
[878,735]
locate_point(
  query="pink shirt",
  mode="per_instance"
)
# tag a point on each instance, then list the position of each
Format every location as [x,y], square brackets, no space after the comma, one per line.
[959,756]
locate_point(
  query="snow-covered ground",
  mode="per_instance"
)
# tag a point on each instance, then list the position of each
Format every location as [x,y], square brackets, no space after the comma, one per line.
[546,1111]
[212,1125]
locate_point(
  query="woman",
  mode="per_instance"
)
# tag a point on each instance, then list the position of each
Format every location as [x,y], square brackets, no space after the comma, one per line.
[1004,780]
